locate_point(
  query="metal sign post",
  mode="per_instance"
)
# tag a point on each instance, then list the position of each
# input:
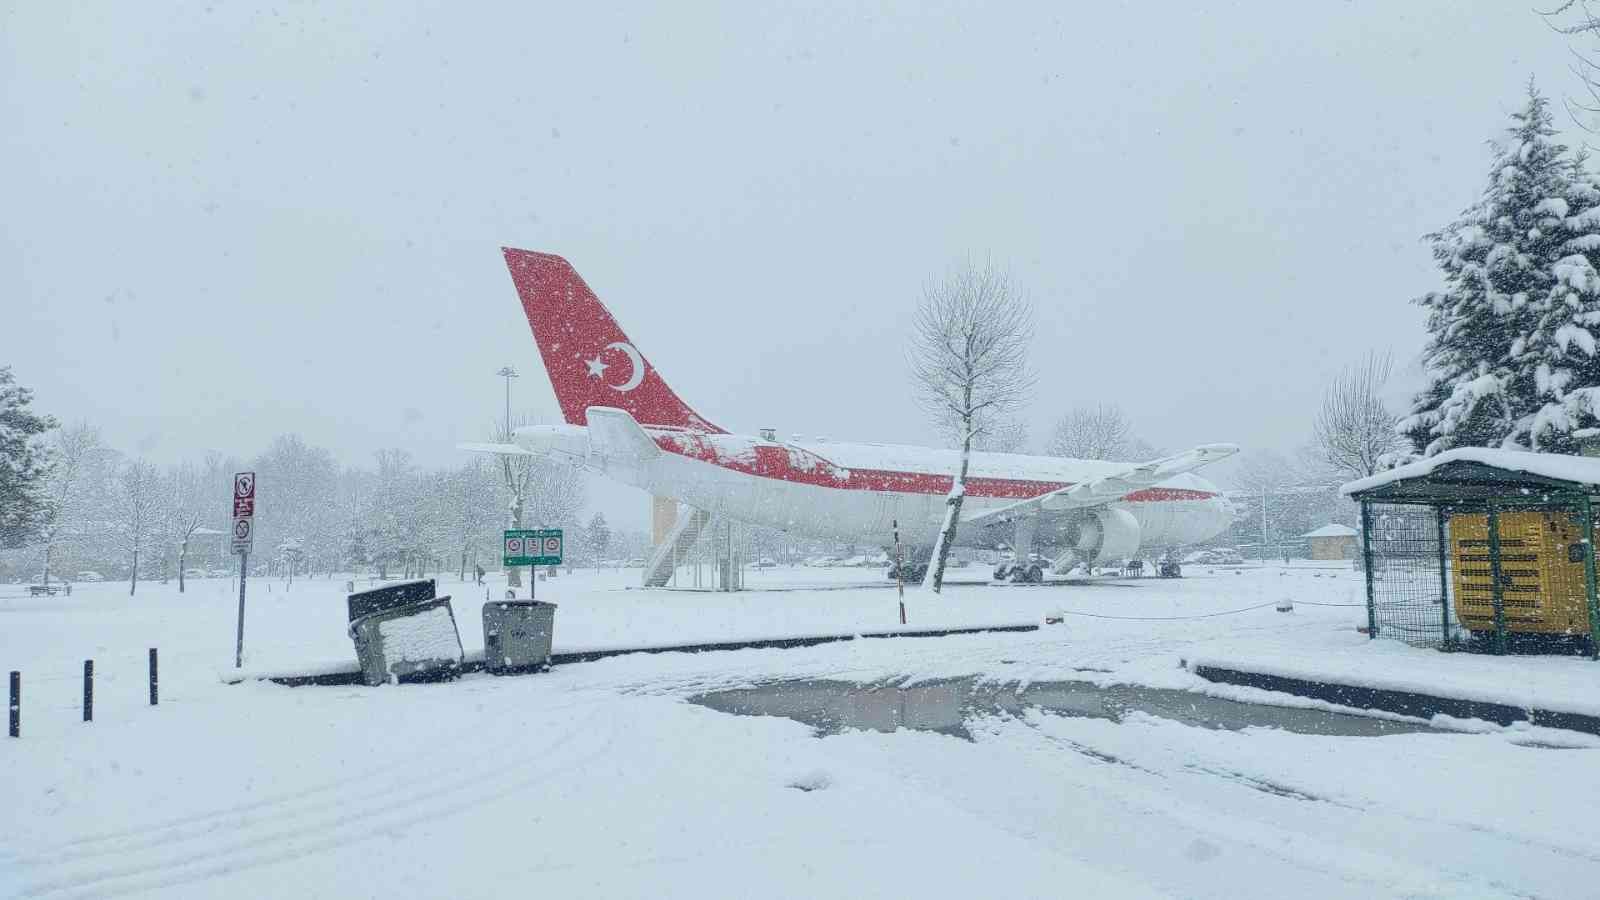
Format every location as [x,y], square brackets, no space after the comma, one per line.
[244,511]
[899,571]
[532,547]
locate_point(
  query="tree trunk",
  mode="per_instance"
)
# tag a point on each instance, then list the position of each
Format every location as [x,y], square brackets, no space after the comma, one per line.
[952,515]
[133,577]
[514,573]
[183,562]
[47,548]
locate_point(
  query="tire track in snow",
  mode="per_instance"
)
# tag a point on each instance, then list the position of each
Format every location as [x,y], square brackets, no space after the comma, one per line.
[290,833]
[322,794]
[1360,870]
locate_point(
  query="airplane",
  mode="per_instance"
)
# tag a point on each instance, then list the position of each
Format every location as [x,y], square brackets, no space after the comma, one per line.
[623,421]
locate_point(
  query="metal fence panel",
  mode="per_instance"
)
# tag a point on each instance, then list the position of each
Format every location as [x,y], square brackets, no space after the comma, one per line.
[1410,575]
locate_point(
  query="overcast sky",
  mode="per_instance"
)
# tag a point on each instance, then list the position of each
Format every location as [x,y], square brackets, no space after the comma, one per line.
[221,225]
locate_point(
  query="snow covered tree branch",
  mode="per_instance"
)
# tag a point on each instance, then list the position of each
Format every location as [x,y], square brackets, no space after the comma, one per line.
[968,359]
[1355,430]
[1092,432]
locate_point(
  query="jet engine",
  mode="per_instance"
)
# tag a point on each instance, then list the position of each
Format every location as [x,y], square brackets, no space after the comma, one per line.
[1095,535]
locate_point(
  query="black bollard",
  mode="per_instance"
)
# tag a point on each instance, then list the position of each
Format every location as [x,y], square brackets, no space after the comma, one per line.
[88,690]
[16,704]
[152,676]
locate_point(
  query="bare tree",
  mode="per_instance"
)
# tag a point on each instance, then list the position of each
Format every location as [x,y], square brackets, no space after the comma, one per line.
[135,508]
[471,510]
[1355,429]
[537,488]
[1093,432]
[192,498]
[296,487]
[599,536]
[1265,475]
[1002,434]
[394,512]
[1579,19]
[78,450]
[968,355]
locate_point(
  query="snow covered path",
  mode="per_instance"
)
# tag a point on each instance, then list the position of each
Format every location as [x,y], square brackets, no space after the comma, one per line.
[602,780]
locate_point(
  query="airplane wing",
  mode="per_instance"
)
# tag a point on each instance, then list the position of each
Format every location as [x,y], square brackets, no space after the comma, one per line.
[1106,488]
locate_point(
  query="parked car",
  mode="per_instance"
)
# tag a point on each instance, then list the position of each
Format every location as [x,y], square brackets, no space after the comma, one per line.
[635,563]
[90,576]
[194,573]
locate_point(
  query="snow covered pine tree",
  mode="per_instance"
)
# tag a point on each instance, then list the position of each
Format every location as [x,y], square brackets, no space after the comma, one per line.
[1518,278]
[24,464]
[1561,349]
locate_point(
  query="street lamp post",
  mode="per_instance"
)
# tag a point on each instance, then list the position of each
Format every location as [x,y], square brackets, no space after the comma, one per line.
[507,373]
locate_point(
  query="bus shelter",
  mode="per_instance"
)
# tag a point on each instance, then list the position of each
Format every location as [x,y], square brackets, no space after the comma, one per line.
[1482,549]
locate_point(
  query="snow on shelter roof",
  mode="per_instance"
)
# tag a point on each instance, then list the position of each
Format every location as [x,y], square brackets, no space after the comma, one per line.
[1577,470]
[1331,531]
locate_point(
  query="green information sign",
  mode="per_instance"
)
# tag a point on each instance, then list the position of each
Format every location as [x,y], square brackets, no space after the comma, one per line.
[533,547]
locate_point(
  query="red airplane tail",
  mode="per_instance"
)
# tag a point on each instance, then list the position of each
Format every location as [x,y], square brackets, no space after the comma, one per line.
[589,359]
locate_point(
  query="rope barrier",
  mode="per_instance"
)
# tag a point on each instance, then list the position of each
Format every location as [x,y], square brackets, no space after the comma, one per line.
[1228,612]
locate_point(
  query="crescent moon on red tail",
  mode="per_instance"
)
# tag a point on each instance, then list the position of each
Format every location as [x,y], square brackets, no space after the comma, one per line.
[637,376]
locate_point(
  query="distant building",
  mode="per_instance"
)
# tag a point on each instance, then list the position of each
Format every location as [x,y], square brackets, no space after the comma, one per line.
[1332,542]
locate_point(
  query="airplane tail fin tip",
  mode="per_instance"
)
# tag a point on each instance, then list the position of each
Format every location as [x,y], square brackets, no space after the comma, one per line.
[590,360]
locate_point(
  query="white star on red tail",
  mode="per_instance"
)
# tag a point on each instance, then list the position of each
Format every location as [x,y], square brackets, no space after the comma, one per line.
[597,368]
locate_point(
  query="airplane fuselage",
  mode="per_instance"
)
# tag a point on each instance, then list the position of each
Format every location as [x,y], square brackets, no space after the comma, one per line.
[859,492]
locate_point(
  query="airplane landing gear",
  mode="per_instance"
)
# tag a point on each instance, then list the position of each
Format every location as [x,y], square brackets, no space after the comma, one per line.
[1022,569]
[1031,573]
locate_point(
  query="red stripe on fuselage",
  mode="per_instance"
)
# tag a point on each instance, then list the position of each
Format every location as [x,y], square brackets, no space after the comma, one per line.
[788,463]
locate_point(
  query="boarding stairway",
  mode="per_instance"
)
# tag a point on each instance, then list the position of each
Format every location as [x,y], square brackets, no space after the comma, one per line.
[679,541]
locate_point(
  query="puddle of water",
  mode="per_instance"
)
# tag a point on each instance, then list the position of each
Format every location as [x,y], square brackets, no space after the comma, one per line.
[945,707]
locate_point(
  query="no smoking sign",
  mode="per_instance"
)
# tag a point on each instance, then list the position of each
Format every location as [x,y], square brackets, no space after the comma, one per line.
[244,510]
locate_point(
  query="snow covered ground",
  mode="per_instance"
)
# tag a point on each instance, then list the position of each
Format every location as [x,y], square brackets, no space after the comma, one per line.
[600,779]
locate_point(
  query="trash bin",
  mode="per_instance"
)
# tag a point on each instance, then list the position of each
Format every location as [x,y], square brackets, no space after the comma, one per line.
[389,597]
[516,634]
[415,642]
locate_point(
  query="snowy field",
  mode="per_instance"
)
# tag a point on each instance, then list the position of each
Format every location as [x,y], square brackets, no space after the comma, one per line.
[600,779]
